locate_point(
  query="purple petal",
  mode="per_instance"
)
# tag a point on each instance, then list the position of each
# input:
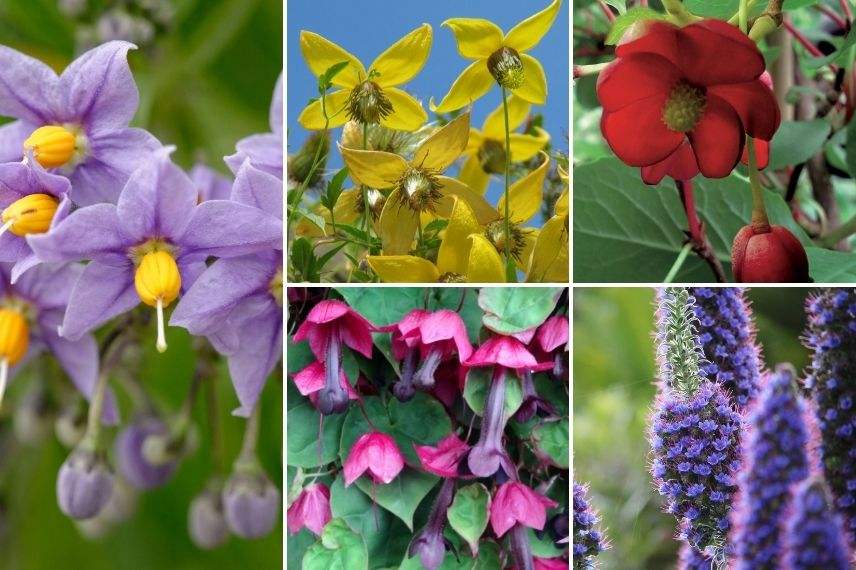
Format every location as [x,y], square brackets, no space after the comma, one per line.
[264,151]
[276,108]
[190,270]
[210,184]
[13,248]
[88,233]
[97,88]
[228,229]
[12,137]
[39,285]
[31,259]
[101,293]
[259,189]
[28,87]
[250,366]
[18,179]
[157,201]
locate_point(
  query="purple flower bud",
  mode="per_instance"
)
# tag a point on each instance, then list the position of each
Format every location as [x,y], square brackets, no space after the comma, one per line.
[206,522]
[588,539]
[424,377]
[403,388]
[132,462]
[429,543]
[489,455]
[84,484]
[831,336]
[775,458]
[814,533]
[252,504]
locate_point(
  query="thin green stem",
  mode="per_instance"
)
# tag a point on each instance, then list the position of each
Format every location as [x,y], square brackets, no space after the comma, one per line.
[843,231]
[507,213]
[215,427]
[760,221]
[316,160]
[743,16]
[247,456]
[679,262]
[111,353]
[676,9]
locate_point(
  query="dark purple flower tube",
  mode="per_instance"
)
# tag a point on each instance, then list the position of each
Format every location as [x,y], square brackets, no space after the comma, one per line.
[489,455]
[814,533]
[251,504]
[206,521]
[532,404]
[84,484]
[775,458]
[521,550]
[429,543]
[132,462]
[588,539]
[831,336]
[332,398]
[727,337]
[404,389]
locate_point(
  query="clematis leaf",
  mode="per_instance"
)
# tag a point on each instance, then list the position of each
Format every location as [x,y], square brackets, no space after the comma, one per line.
[325,81]
[469,513]
[339,547]
[511,310]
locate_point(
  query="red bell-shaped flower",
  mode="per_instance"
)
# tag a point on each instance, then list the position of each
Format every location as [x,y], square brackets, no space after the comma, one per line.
[768,254]
[311,509]
[376,453]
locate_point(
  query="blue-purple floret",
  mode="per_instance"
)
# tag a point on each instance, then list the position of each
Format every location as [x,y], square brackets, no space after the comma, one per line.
[691,559]
[831,379]
[814,533]
[775,459]
[695,443]
[588,539]
[727,337]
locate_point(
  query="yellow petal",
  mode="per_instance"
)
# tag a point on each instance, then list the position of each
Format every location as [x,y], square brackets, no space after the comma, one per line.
[321,54]
[404,59]
[524,147]
[455,248]
[526,35]
[312,117]
[549,262]
[525,195]
[373,168]
[345,211]
[476,38]
[561,207]
[475,141]
[452,188]
[441,149]
[534,88]
[530,236]
[494,124]
[397,225]
[485,265]
[407,112]
[471,84]
[403,269]
[473,175]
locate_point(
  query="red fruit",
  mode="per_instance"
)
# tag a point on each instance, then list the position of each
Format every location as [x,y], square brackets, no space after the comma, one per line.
[768,255]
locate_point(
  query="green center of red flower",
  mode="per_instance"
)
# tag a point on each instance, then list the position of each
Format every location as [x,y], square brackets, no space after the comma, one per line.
[420,189]
[506,67]
[491,155]
[684,107]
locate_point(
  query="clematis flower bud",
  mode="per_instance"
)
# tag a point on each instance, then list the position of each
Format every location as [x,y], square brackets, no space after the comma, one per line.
[84,484]
[429,543]
[442,334]
[769,254]
[158,282]
[251,504]
[376,453]
[206,521]
[515,503]
[443,459]
[506,67]
[311,509]
[52,146]
[31,214]
[131,459]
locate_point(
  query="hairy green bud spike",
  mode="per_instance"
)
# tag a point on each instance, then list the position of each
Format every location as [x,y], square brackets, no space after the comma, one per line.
[678,350]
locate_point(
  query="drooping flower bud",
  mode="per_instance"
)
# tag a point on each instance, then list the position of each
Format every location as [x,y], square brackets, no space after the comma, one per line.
[506,67]
[71,423]
[770,254]
[52,146]
[84,484]
[814,533]
[515,503]
[31,214]
[251,504]
[429,543]
[158,282]
[317,144]
[443,459]
[311,509]
[131,459]
[206,521]
[377,454]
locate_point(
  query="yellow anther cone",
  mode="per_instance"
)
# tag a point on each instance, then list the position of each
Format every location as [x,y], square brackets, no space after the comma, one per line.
[158,283]
[31,214]
[52,146]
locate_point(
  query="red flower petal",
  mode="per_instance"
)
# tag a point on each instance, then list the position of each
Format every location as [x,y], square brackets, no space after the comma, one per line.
[310,379]
[447,325]
[502,350]
[762,154]
[631,79]
[718,139]
[713,52]
[637,133]
[756,105]
[553,333]
[443,459]
[680,165]
[652,37]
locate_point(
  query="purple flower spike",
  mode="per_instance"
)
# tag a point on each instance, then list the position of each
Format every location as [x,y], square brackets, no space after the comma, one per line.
[588,539]
[252,504]
[131,460]
[429,543]
[149,246]
[265,150]
[75,124]
[727,338]
[775,458]
[831,336]
[691,559]
[84,484]
[206,521]
[814,532]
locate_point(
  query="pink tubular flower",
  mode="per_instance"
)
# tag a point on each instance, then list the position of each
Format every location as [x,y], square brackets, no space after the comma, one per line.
[311,380]
[443,459]
[443,335]
[553,333]
[504,351]
[376,453]
[515,503]
[406,338]
[310,510]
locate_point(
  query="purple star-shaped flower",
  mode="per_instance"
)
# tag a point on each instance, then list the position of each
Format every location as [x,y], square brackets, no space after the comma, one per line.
[237,302]
[150,245]
[263,150]
[75,124]
[39,298]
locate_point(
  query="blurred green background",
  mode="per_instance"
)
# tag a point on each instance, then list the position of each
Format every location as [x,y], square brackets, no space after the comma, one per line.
[206,71]
[614,373]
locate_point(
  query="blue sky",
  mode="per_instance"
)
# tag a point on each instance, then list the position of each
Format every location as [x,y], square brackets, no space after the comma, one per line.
[367,27]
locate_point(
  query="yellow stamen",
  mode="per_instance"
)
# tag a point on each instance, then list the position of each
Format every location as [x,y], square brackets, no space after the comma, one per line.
[158,283]
[14,341]
[52,146]
[31,214]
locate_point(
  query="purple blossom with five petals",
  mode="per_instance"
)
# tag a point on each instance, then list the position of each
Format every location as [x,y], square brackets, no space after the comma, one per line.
[94,99]
[263,150]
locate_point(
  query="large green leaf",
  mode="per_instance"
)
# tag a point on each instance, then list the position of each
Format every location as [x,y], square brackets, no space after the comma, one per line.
[826,266]
[478,385]
[303,422]
[469,513]
[552,439]
[625,230]
[509,310]
[797,141]
[340,548]
[402,495]
[632,16]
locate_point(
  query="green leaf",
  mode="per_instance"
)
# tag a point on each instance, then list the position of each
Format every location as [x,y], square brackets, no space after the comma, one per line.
[543,547]
[838,56]
[797,141]
[624,21]
[511,310]
[850,147]
[722,9]
[552,439]
[469,512]
[340,548]
[326,78]
[303,422]
[627,231]
[620,5]
[302,258]
[334,189]
[827,266]
[478,385]
[402,495]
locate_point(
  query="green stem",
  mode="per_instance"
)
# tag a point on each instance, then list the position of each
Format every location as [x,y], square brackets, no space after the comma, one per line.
[316,160]
[247,456]
[678,12]
[760,221]
[743,16]
[679,262]
[843,231]
[507,213]
[111,353]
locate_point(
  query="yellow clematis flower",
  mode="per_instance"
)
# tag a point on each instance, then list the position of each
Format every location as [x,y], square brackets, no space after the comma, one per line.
[417,186]
[500,57]
[549,261]
[465,256]
[486,150]
[368,96]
